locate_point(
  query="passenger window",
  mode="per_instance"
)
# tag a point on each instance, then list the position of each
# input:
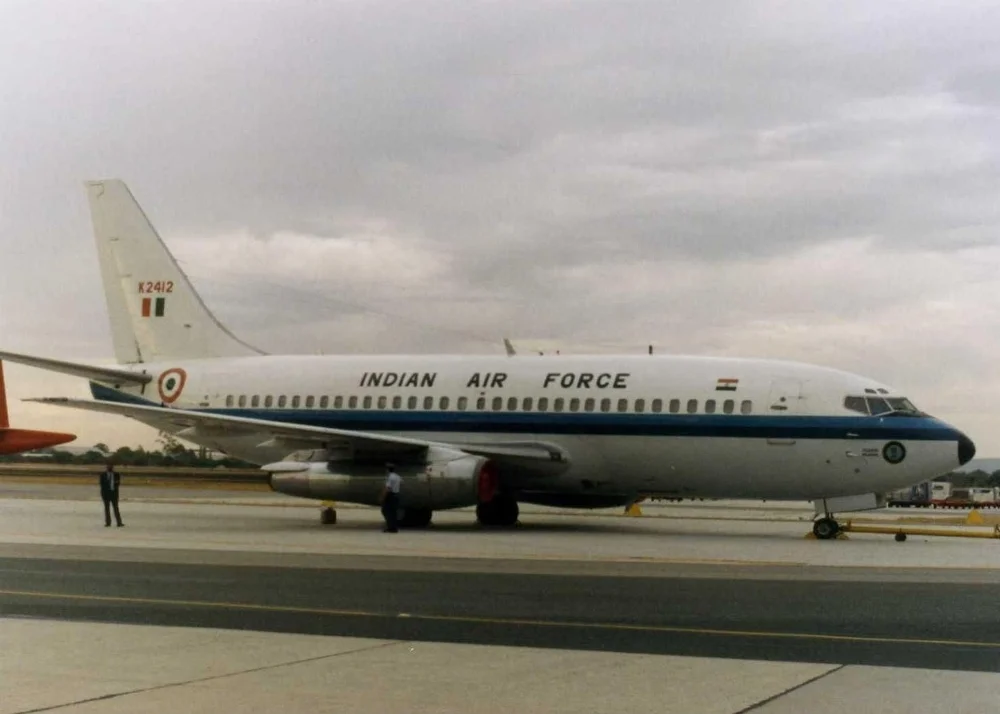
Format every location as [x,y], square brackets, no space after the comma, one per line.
[557,404]
[623,405]
[255,400]
[310,402]
[640,406]
[295,402]
[381,402]
[397,402]
[324,402]
[856,404]
[229,400]
[282,401]
[543,404]
[657,406]
[497,403]
[728,406]
[367,402]
[463,403]
[338,402]
[268,401]
[692,406]
[574,404]
[588,404]
[526,404]
[481,403]
[352,403]
[411,403]
[746,406]
[443,403]
[675,406]
[710,406]
[605,405]
[428,403]
[512,404]
[243,400]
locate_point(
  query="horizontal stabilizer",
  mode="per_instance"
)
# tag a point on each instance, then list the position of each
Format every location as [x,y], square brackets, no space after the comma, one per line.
[15,441]
[108,375]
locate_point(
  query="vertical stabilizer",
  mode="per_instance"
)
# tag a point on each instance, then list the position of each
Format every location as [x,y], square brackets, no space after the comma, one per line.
[155,313]
[4,417]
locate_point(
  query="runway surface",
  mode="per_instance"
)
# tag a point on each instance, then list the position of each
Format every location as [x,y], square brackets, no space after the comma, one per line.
[935,625]
[579,613]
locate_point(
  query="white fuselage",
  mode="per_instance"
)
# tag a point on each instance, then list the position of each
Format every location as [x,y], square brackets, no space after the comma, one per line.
[645,425]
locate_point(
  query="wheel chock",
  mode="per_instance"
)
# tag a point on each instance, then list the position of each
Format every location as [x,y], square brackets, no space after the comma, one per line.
[633,510]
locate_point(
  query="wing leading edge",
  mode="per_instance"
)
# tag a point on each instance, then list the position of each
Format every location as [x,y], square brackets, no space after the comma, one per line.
[301,436]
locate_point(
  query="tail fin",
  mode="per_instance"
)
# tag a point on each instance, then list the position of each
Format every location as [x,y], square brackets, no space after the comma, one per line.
[15,441]
[155,313]
[4,417]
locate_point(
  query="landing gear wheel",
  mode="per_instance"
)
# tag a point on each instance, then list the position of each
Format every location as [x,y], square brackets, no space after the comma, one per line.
[900,537]
[500,512]
[328,516]
[415,517]
[826,528]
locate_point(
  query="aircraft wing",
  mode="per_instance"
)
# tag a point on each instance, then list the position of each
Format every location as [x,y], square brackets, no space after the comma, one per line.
[300,436]
[109,375]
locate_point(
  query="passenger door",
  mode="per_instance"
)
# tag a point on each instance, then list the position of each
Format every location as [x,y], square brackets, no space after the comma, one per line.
[785,397]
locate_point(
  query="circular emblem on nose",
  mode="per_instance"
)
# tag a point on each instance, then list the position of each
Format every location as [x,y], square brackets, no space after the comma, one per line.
[894,452]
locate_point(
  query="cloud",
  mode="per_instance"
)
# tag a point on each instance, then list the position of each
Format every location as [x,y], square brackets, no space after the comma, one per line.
[806,181]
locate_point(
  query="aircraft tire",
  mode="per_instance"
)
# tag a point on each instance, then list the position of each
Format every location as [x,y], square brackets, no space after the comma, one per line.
[826,528]
[501,512]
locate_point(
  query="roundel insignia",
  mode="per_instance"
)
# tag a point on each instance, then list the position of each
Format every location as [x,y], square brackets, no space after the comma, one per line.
[894,452]
[171,384]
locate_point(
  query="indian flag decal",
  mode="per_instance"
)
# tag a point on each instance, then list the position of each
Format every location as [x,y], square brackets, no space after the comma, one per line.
[154,307]
[726,384]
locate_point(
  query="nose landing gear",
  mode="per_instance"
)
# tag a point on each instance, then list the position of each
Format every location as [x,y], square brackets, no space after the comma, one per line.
[826,528]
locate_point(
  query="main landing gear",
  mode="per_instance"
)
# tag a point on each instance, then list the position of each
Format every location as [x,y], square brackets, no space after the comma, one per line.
[499,511]
[826,528]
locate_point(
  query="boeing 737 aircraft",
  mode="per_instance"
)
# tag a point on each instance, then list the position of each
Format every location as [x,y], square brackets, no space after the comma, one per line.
[15,441]
[490,432]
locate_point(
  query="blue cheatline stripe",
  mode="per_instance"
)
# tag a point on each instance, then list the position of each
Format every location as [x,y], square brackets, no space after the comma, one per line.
[591,424]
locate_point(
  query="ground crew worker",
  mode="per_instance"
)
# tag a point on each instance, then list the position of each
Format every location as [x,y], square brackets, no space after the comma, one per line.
[111,482]
[390,499]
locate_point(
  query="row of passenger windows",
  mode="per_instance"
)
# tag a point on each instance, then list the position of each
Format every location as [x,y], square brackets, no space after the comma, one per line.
[497,404]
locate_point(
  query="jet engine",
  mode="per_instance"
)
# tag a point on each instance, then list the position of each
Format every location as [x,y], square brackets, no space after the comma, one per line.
[442,478]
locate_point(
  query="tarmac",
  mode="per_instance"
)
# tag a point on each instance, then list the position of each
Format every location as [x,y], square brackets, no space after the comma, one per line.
[243,600]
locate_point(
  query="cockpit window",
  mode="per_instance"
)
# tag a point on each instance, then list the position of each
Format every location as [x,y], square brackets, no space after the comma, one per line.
[856,404]
[877,405]
[902,404]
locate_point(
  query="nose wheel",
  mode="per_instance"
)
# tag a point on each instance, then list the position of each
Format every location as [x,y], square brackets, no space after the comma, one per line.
[826,528]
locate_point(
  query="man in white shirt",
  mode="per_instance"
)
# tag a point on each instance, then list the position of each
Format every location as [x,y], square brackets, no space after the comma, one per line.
[390,499]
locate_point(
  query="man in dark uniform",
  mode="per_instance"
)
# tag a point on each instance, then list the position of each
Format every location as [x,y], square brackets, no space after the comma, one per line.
[390,499]
[111,482]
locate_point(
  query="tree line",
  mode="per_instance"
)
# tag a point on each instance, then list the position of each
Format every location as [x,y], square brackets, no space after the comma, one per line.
[171,453]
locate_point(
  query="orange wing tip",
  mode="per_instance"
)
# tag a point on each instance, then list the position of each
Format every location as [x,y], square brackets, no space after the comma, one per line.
[13,441]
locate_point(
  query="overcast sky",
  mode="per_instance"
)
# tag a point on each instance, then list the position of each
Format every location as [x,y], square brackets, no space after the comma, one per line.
[812,181]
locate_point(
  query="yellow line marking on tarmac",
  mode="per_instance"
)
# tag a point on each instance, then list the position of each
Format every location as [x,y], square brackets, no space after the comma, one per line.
[469,619]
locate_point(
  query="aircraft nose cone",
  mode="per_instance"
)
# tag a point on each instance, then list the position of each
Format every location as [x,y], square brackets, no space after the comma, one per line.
[966,449]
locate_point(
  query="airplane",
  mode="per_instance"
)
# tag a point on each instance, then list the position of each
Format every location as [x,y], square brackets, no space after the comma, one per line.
[16,441]
[490,431]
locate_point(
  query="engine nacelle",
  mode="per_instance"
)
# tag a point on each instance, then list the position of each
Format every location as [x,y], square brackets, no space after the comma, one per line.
[445,478]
